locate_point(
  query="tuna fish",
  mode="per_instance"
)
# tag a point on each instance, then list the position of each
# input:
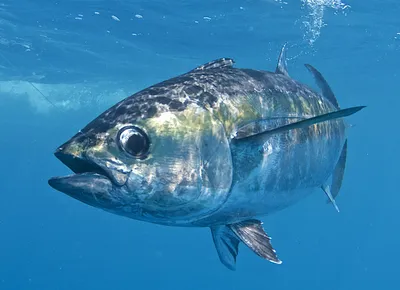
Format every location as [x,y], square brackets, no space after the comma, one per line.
[218,147]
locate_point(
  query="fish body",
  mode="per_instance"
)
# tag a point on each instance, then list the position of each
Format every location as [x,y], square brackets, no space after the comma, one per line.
[272,172]
[215,147]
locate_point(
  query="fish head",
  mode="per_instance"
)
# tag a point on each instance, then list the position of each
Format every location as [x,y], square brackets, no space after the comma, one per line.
[149,162]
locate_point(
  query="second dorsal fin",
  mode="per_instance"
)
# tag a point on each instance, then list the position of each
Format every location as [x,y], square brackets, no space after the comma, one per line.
[281,67]
[323,85]
[218,63]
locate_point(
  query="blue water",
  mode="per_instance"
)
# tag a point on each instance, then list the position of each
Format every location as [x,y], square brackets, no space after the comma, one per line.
[84,60]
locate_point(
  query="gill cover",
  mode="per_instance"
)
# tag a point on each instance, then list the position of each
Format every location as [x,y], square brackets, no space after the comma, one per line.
[188,172]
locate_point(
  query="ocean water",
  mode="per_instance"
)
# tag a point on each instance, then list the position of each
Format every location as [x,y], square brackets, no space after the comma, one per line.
[84,55]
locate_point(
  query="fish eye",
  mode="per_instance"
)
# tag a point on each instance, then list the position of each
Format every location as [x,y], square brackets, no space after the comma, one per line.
[134,141]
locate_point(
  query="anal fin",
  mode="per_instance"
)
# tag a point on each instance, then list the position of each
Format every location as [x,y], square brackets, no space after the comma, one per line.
[251,233]
[337,178]
[328,193]
[338,174]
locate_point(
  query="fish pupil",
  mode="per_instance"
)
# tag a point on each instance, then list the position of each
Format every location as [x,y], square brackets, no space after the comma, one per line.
[136,144]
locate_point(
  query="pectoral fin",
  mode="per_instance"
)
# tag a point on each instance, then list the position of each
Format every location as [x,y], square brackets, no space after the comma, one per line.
[251,233]
[244,132]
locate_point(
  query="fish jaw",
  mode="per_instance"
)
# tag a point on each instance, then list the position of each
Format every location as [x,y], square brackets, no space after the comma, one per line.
[90,188]
[91,182]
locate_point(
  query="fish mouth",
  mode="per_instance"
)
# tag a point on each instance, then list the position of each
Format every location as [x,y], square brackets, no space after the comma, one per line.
[90,183]
[79,164]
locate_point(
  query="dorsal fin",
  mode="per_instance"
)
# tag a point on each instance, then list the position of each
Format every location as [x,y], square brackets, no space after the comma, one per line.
[323,85]
[218,63]
[281,67]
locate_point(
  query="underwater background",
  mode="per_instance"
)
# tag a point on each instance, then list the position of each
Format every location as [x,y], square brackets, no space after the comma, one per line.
[85,55]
